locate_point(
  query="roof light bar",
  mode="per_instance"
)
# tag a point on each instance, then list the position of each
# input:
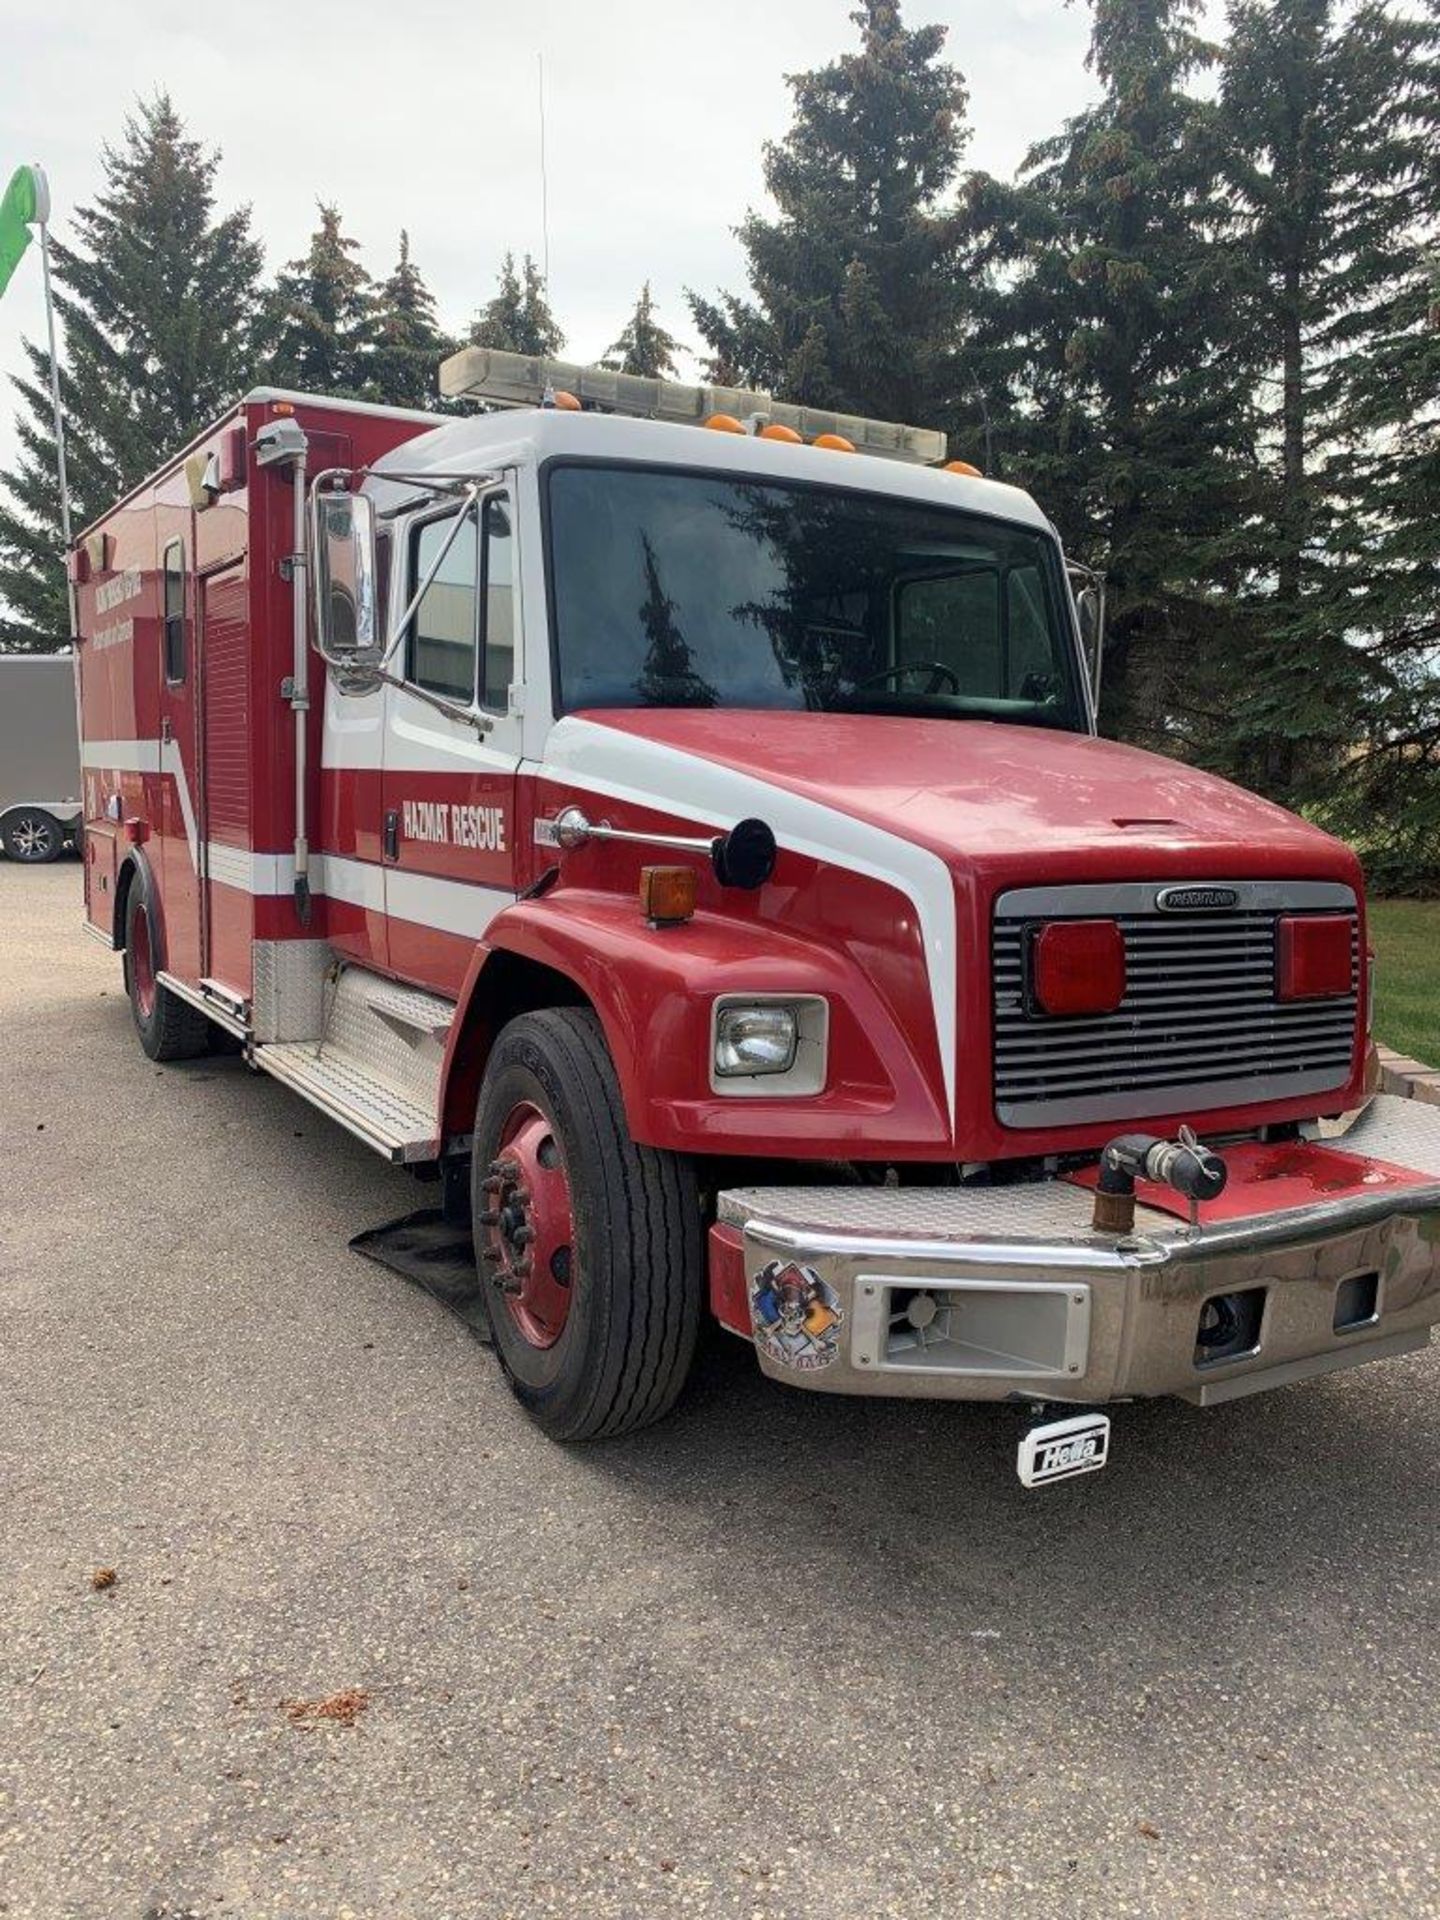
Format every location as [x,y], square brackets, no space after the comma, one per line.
[522,380]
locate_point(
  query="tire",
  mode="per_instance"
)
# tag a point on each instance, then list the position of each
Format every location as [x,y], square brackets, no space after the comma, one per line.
[32,837]
[169,1028]
[606,1349]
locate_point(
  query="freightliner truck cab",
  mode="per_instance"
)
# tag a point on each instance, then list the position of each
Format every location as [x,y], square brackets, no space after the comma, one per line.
[679,820]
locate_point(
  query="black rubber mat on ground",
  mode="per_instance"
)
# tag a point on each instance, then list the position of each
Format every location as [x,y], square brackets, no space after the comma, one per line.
[435,1254]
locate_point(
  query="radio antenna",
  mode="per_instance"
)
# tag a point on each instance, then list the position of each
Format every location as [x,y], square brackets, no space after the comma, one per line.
[544,179]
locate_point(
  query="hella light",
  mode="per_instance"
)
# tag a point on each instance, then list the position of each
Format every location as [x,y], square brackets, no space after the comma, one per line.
[1312,960]
[760,1039]
[1078,966]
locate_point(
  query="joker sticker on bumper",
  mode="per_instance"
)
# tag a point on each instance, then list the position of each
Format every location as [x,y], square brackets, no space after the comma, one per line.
[796,1315]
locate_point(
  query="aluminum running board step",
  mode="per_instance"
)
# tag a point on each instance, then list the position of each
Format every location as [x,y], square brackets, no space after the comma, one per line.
[375,1066]
[364,1105]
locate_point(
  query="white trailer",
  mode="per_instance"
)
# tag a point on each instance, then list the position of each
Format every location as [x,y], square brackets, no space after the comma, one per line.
[40,800]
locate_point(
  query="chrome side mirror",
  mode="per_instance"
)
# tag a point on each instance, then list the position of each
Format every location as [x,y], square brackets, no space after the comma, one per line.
[342,560]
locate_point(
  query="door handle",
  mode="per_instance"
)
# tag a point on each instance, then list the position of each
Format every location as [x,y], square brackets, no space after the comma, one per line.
[392,834]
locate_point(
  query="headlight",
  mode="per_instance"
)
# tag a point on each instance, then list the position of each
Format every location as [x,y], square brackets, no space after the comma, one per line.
[758,1039]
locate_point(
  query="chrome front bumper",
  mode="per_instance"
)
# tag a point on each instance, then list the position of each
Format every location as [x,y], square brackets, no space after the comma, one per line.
[1021,1299]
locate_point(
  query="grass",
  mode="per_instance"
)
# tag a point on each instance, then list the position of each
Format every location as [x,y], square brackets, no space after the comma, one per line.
[1406,937]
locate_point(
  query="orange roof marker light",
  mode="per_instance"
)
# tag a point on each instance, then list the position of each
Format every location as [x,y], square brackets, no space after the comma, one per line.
[835,441]
[560,400]
[776,431]
[724,423]
[963,466]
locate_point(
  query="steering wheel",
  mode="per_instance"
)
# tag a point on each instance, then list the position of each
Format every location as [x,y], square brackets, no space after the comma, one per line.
[939,673]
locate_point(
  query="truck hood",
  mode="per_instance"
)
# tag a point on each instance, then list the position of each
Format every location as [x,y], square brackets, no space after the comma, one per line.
[1022,803]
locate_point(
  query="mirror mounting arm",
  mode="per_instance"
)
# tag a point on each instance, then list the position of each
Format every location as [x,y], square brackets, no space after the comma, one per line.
[744,857]
[471,716]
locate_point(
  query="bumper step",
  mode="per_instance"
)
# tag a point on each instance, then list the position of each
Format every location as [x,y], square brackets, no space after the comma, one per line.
[988,1292]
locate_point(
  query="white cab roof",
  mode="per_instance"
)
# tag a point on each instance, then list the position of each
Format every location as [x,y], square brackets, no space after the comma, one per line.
[527,436]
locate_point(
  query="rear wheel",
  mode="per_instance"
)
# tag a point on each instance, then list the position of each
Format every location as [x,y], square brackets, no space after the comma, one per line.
[590,1248]
[169,1028]
[32,836]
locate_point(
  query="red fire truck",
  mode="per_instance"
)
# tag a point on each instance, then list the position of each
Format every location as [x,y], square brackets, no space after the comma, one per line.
[696,846]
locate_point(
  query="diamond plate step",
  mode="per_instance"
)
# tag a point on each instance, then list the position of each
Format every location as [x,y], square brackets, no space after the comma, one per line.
[374,1110]
[409,1007]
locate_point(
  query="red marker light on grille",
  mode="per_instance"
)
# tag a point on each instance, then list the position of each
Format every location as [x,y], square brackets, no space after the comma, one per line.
[1078,966]
[1313,956]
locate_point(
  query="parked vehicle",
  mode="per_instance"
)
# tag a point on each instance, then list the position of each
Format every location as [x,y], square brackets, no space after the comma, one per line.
[40,805]
[693,841]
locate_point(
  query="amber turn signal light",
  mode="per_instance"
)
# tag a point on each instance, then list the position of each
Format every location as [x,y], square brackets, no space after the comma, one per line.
[667,894]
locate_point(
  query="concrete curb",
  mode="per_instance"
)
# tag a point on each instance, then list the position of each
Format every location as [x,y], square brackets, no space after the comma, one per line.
[1409,1078]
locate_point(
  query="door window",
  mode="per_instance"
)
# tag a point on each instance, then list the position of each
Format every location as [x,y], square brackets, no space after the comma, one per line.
[462,640]
[499,656]
[174,611]
[443,632]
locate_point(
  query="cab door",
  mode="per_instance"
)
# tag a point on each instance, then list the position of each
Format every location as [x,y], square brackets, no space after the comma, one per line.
[448,831]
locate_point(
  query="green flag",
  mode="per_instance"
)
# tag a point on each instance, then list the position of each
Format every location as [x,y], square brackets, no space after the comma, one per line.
[20,206]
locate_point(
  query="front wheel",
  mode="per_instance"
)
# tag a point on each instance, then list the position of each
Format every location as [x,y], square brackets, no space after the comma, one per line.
[590,1248]
[32,837]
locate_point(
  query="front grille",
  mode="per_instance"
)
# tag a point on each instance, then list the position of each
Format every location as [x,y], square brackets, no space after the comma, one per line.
[1200,1025]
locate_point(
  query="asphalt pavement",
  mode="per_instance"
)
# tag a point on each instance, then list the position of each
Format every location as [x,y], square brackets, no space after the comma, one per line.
[374,1647]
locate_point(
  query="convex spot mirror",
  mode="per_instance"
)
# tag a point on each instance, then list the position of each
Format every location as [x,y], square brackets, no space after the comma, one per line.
[1090,613]
[342,549]
[1088,606]
[744,857]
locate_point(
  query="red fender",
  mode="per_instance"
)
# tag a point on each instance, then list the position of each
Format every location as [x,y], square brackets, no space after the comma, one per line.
[653,987]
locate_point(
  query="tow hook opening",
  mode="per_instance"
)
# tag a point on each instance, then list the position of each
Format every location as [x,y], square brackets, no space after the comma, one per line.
[1229,1326]
[1357,1302]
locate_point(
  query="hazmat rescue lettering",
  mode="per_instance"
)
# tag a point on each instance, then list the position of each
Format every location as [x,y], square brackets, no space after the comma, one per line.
[446,826]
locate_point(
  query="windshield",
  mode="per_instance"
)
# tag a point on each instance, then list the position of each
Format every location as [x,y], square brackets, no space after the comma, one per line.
[676,589]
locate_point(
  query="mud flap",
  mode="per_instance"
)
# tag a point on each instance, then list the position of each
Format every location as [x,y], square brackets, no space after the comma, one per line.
[436,1254]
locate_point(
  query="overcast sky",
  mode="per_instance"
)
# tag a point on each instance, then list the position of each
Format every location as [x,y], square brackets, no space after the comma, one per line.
[424,115]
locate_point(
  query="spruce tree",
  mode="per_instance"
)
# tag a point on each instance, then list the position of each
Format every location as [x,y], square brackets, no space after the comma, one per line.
[158,301]
[1131,418]
[408,342]
[322,317]
[1384,475]
[1323,126]
[856,292]
[518,318]
[644,346]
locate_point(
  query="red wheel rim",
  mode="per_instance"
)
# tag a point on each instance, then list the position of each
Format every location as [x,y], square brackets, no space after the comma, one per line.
[527,1245]
[142,963]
